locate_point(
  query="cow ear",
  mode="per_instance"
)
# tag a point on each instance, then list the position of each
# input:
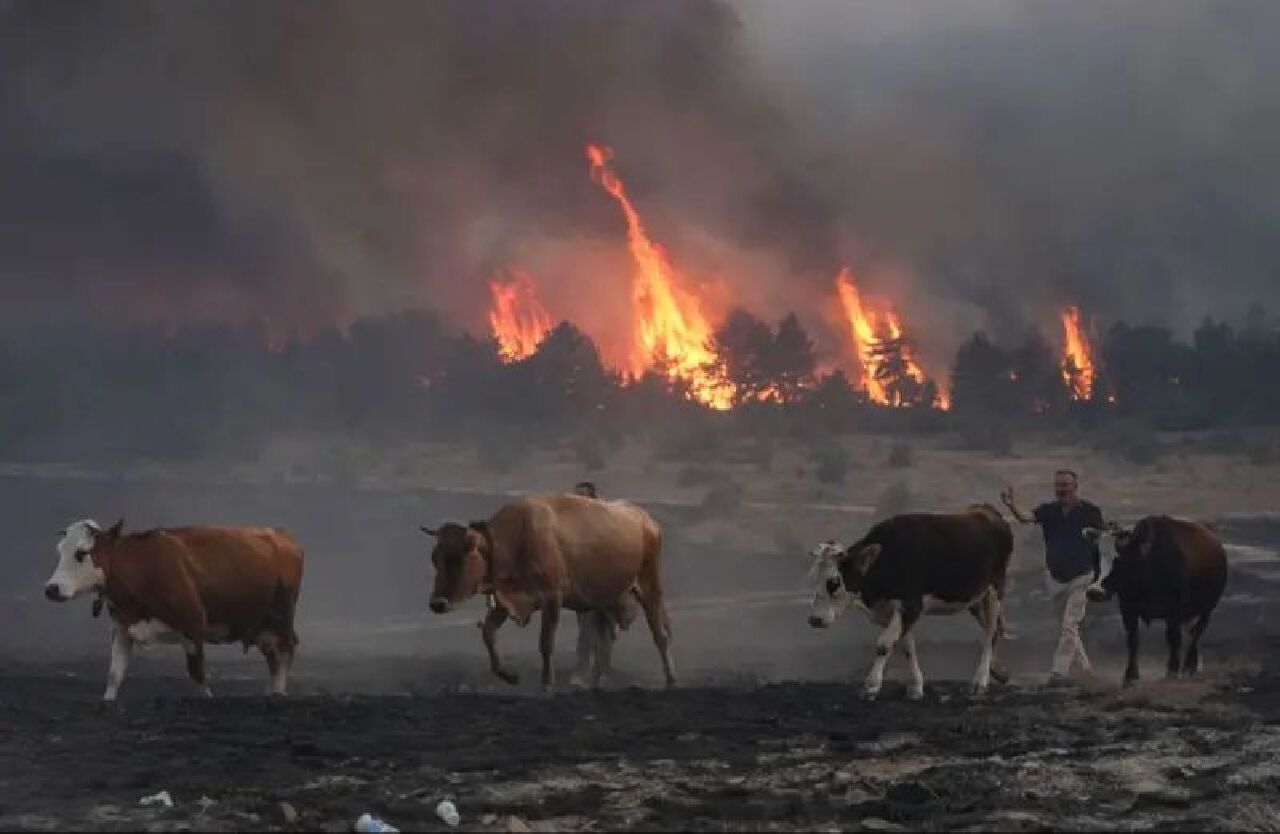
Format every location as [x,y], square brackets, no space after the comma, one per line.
[864,558]
[115,531]
[432,533]
[1145,540]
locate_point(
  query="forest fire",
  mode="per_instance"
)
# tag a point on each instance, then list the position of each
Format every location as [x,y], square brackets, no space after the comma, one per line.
[1078,367]
[670,328]
[888,370]
[517,320]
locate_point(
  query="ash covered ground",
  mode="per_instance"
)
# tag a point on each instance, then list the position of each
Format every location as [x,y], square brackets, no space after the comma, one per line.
[788,756]
[394,709]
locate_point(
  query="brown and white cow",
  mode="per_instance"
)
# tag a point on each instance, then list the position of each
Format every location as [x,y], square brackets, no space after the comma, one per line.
[1167,569]
[915,564]
[548,552]
[188,585]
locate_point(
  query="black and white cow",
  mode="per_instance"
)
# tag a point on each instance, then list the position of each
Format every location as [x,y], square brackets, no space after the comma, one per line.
[915,564]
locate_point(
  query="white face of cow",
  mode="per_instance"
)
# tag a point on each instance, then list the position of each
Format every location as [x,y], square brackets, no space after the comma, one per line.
[829,594]
[76,574]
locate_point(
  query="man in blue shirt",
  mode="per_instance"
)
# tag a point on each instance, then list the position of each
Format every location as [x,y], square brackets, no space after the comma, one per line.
[1072,563]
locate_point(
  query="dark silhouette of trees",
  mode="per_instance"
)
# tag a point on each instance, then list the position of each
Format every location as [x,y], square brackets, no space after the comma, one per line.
[792,363]
[762,364]
[105,391]
[741,348]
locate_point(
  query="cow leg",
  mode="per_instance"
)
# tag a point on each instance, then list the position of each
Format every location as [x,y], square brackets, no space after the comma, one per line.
[195,665]
[908,646]
[1131,632]
[547,643]
[999,674]
[605,636]
[273,650]
[1173,634]
[1191,666]
[884,646]
[587,634]
[121,650]
[989,619]
[489,633]
[655,613]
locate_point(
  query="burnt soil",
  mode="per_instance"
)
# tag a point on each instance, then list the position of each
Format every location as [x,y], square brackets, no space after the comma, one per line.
[1164,756]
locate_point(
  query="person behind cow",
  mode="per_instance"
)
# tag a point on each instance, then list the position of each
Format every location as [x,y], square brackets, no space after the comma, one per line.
[1072,563]
[593,624]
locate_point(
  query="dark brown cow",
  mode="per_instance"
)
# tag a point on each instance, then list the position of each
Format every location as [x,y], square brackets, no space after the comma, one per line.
[548,552]
[914,564]
[193,585]
[1165,569]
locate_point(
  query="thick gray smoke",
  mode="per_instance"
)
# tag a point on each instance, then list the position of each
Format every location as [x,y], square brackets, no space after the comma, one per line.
[983,161]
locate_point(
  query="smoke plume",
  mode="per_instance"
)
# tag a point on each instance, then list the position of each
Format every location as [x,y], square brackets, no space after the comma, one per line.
[983,163]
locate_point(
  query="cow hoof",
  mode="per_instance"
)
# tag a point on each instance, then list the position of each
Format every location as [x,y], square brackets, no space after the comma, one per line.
[510,678]
[915,694]
[576,682]
[108,707]
[999,674]
[870,695]
[977,692]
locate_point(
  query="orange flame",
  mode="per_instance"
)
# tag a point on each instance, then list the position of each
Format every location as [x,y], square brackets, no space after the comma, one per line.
[518,320]
[669,323]
[869,328]
[1078,368]
[862,329]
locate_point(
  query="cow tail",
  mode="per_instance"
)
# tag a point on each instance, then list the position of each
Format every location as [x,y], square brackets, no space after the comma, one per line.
[280,615]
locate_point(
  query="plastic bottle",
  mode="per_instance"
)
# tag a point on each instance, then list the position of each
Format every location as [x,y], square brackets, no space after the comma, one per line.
[372,825]
[447,812]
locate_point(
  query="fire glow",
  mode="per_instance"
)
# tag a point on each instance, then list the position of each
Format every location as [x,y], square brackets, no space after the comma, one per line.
[517,319]
[669,326]
[1078,369]
[870,330]
[671,331]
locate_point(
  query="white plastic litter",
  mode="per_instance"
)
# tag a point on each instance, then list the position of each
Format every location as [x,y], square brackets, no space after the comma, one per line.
[161,798]
[448,812]
[372,825]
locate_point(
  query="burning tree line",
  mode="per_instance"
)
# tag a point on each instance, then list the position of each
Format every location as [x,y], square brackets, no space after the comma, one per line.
[99,393]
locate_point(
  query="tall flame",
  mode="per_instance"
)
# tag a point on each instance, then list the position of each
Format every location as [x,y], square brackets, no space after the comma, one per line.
[1078,369]
[518,320]
[862,330]
[868,329]
[669,323]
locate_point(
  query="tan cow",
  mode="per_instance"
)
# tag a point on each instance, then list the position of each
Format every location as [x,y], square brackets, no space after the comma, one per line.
[193,585]
[548,552]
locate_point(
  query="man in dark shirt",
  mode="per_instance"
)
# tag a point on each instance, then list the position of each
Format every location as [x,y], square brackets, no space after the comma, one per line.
[1072,563]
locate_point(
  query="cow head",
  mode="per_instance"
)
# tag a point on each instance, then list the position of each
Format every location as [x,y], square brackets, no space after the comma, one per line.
[1131,549]
[80,569]
[461,560]
[838,573]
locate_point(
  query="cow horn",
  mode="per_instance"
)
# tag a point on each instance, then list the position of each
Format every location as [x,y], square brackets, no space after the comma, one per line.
[429,531]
